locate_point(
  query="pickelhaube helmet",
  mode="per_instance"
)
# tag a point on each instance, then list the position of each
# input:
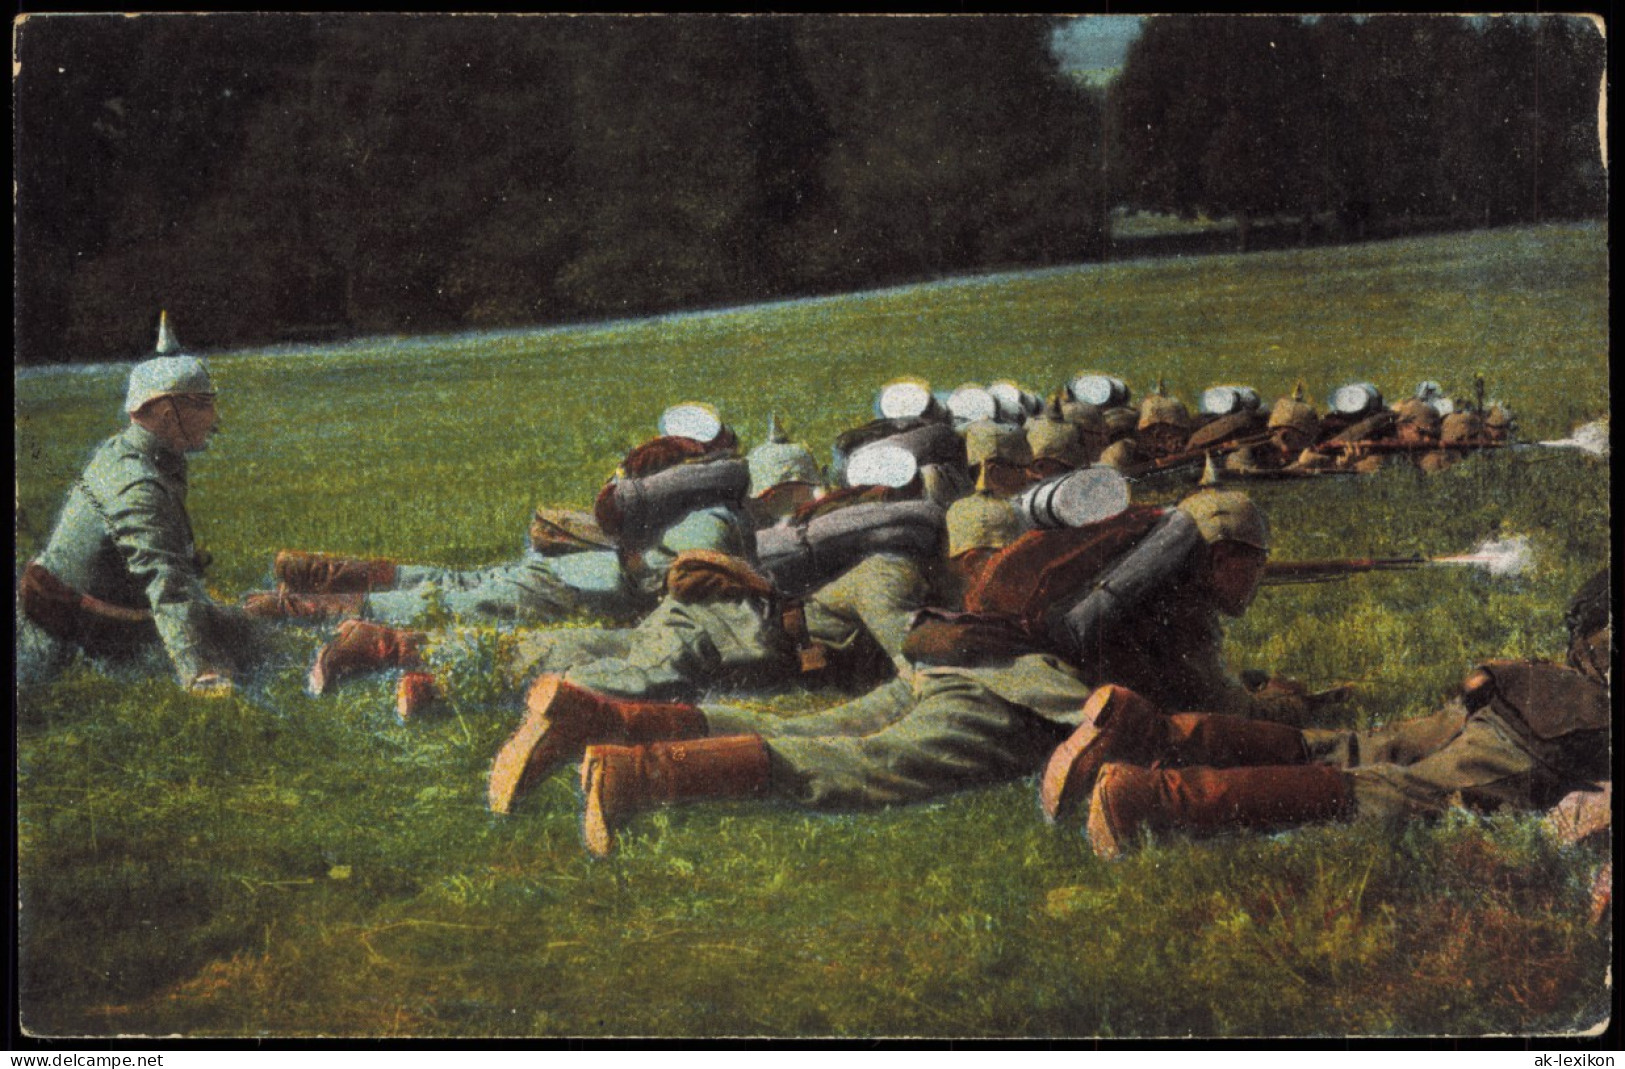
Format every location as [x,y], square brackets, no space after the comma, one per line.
[778,461]
[1295,414]
[1162,410]
[1417,412]
[168,373]
[987,440]
[1461,427]
[1051,437]
[982,521]
[1227,516]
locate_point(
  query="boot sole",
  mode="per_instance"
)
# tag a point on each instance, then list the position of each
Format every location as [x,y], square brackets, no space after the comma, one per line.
[511,772]
[1073,767]
[1103,838]
[321,679]
[595,829]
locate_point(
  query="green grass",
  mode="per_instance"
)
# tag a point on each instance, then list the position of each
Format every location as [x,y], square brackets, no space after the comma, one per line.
[275,864]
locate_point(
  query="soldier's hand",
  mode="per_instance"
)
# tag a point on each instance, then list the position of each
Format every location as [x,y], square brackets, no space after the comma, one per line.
[212,685]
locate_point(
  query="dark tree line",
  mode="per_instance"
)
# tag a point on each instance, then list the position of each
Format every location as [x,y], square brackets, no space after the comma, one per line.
[271,177]
[286,176]
[1464,121]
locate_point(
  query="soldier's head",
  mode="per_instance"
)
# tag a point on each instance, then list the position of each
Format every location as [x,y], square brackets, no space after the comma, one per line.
[173,397]
[1416,420]
[1163,426]
[783,477]
[1461,427]
[1591,631]
[1293,425]
[986,440]
[1050,437]
[979,525]
[1091,424]
[1119,423]
[1238,544]
[1498,422]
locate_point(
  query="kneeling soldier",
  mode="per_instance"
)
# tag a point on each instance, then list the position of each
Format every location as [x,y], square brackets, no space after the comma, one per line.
[121,570]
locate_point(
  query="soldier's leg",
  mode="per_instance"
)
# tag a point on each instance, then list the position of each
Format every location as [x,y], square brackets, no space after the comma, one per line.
[682,648]
[884,705]
[40,657]
[1402,742]
[958,735]
[558,649]
[1484,766]
[525,591]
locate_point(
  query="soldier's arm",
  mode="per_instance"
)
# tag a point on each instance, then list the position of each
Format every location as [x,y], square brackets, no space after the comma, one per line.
[880,595]
[718,529]
[149,527]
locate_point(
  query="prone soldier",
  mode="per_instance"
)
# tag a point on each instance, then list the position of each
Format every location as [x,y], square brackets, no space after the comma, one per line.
[1518,735]
[681,491]
[985,700]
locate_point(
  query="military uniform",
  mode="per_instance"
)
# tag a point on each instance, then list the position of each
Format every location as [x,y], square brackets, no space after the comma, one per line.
[945,730]
[124,539]
[1523,736]
[540,589]
[684,646]
[994,717]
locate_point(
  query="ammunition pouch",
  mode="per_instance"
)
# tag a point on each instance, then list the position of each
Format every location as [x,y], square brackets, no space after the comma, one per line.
[1129,582]
[812,654]
[65,614]
[802,558]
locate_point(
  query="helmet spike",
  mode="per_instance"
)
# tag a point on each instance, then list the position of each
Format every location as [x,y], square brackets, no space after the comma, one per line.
[775,432]
[1210,472]
[166,336]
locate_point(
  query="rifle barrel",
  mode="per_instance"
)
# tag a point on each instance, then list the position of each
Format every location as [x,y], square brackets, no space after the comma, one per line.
[1321,571]
[1192,456]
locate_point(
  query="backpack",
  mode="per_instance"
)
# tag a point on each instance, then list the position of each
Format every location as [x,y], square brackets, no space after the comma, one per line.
[1041,569]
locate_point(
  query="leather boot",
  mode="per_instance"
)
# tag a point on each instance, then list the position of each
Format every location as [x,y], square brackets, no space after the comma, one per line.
[360,647]
[279,605]
[416,694]
[1215,740]
[1118,725]
[562,719]
[1203,801]
[323,573]
[621,780]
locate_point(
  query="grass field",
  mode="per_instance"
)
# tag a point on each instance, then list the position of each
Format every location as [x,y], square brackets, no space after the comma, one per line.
[276,864]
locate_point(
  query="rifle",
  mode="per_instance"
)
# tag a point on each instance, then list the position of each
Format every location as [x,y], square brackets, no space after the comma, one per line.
[1389,445]
[1511,556]
[1279,573]
[1192,456]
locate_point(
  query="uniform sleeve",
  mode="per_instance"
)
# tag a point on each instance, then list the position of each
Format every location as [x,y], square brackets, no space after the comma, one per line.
[880,596]
[717,529]
[1193,673]
[149,526]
